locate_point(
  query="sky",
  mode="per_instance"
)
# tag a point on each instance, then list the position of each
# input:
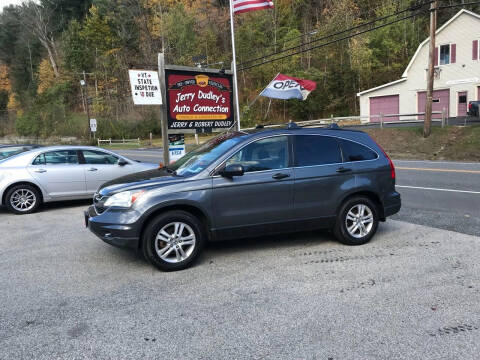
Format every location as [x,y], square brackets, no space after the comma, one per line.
[8,2]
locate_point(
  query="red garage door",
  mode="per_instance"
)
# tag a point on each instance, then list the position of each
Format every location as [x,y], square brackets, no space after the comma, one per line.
[441,100]
[385,105]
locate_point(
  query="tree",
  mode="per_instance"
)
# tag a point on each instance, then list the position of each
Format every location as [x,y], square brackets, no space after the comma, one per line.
[40,20]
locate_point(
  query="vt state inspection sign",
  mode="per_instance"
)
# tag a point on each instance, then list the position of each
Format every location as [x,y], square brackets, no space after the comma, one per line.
[145,87]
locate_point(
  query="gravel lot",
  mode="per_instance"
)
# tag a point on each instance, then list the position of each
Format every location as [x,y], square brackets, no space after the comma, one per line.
[412,293]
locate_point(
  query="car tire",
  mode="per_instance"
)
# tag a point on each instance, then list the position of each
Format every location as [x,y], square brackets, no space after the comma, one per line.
[357,221]
[173,240]
[23,199]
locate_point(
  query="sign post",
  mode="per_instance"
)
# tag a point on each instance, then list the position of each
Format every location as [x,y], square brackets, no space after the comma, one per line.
[163,110]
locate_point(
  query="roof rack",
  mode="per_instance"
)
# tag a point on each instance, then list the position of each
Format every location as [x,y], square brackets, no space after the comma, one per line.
[333,126]
[292,126]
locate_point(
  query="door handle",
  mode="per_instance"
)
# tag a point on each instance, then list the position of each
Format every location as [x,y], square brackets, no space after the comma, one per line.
[280,176]
[40,171]
[92,169]
[343,170]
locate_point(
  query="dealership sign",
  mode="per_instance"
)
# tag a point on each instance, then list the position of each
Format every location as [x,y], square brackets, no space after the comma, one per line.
[198,100]
[145,87]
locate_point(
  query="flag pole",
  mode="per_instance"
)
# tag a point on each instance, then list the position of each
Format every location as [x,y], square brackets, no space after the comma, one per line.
[235,82]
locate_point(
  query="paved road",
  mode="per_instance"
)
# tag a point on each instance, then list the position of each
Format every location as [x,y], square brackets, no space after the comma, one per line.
[412,293]
[444,195]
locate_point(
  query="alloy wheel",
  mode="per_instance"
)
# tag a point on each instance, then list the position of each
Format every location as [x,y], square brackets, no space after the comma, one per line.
[23,200]
[175,242]
[359,221]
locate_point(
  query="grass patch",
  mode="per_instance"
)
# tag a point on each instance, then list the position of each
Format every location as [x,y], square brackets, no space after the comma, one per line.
[449,143]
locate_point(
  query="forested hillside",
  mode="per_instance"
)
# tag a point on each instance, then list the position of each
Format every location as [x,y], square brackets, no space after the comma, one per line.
[45,47]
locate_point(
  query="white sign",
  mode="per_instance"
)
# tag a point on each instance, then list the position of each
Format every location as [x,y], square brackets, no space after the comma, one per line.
[463,81]
[145,87]
[93,125]
[176,152]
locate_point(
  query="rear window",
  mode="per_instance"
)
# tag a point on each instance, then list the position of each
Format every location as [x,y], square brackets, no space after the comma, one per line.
[57,158]
[313,150]
[353,151]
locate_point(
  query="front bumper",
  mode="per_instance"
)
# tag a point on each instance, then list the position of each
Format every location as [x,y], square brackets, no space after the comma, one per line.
[114,227]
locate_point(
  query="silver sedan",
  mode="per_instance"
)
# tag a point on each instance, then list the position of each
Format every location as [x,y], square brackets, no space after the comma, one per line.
[57,173]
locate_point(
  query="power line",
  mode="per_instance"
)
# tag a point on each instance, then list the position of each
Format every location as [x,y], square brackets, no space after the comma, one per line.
[332,42]
[457,5]
[413,8]
[315,30]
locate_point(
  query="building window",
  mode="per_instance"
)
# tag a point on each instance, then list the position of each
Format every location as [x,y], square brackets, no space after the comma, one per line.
[445,54]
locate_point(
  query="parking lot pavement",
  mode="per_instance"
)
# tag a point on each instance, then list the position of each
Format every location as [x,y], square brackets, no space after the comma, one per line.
[413,292]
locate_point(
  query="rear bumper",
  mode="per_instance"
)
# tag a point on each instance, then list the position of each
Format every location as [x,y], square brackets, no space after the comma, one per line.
[392,204]
[112,228]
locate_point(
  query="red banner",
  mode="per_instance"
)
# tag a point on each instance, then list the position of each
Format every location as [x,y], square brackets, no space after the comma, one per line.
[197,100]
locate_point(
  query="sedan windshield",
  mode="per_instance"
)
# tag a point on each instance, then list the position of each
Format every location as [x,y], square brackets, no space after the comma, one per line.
[200,158]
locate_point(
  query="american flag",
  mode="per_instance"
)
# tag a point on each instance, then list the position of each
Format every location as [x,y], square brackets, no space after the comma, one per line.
[240,6]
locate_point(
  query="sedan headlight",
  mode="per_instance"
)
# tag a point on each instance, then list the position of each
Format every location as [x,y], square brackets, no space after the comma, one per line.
[124,199]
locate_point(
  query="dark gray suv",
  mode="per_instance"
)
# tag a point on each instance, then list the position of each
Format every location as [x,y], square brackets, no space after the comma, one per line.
[246,184]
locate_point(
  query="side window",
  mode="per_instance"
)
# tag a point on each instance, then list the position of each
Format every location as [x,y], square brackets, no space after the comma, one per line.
[39,160]
[265,154]
[316,150]
[57,158]
[356,152]
[99,157]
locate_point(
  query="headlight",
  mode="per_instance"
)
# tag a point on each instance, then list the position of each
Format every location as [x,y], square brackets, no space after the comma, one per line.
[124,199]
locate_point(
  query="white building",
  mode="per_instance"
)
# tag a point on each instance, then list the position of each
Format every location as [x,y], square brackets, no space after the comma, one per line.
[457,74]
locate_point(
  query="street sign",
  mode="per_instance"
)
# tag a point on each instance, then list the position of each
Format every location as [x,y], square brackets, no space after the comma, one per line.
[145,87]
[176,146]
[176,152]
[93,125]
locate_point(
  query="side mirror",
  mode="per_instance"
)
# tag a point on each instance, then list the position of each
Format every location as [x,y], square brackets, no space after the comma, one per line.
[232,170]
[122,162]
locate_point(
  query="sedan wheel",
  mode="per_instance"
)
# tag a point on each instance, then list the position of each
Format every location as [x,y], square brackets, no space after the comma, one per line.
[22,199]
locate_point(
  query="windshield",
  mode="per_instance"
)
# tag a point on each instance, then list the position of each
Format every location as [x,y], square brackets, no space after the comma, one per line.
[203,156]
[10,151]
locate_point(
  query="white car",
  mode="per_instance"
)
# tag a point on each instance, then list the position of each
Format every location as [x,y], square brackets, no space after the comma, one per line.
[56,173]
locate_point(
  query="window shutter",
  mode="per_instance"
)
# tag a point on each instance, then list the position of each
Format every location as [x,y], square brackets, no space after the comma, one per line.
[475,50]
[453,50]
[436,56]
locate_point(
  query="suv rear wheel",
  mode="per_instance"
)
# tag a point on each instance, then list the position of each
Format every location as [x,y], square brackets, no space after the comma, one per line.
[173,241]
[357,221]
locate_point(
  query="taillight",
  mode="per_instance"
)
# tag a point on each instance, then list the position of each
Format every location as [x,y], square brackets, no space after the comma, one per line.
[392,167]
[390,162]
[470,106]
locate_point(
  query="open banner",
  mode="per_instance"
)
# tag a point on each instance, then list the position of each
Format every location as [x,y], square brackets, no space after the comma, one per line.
[285,87]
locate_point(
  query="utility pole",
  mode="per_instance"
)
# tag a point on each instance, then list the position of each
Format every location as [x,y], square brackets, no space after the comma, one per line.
[431,70]
[86,102]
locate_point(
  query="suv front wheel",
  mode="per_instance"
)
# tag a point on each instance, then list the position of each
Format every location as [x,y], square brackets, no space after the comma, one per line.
[357,221]
[173,240]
